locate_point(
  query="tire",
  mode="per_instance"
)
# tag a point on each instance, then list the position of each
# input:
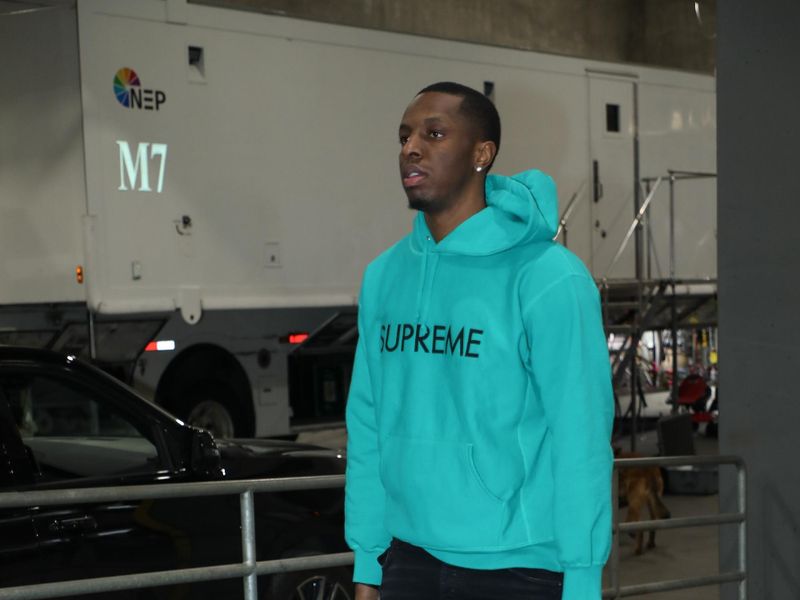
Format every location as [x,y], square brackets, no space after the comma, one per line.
[213,407]
[324,584]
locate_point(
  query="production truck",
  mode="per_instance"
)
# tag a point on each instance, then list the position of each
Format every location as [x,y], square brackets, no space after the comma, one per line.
[189,194]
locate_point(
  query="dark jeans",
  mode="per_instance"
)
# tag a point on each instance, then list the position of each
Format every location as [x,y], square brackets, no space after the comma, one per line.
[410,573]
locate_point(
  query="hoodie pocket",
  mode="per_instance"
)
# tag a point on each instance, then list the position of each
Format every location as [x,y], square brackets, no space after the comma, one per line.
[477,475]
[436,498]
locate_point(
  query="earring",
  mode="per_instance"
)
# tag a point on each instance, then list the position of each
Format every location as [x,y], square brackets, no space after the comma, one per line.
[479,169]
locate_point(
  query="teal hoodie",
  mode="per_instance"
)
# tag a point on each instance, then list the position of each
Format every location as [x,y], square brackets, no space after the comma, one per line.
[480,409]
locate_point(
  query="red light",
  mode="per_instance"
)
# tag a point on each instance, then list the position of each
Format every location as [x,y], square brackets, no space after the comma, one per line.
[297,338]
[151,347]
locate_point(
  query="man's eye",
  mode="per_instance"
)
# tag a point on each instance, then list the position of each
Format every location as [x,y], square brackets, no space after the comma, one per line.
[435,133]
[403,140]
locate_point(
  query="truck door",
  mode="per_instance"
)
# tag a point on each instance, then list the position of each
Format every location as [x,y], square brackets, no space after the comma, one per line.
[611,147]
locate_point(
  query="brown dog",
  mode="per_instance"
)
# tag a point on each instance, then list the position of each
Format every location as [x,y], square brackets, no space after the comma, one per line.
[640,487]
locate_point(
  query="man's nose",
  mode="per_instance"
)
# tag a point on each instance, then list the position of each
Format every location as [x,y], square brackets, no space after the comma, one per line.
[412,147]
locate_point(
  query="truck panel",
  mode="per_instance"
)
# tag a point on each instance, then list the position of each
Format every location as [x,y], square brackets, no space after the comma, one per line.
[271,173]
[42,191]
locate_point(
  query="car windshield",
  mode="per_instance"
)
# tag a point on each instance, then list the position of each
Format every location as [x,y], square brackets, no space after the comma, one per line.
[47,407]
[72,432]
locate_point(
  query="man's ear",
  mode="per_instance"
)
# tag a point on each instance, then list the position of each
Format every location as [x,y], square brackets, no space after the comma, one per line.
[484,154]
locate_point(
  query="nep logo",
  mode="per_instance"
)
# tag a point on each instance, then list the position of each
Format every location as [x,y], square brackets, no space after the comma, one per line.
[130,93]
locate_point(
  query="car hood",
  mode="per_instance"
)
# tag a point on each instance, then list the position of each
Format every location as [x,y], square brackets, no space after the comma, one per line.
[255,458]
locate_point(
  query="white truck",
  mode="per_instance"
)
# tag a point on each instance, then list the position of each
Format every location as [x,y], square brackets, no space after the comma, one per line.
[189,194]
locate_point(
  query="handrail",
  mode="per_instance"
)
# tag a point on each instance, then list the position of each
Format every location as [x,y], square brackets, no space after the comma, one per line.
[672,176]
[654,281]
[679,174]
[160,491]
[636,220]
[680,461]
[740,518]
[248,569]
[562,222]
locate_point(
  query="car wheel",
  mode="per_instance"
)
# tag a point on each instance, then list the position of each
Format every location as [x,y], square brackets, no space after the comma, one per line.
[325,584]
[213,408]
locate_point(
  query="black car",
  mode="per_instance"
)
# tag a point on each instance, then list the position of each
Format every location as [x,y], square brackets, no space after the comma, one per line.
[65,424]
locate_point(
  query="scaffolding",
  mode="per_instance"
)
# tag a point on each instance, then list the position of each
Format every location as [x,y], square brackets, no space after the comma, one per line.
[645,303]
[634,306]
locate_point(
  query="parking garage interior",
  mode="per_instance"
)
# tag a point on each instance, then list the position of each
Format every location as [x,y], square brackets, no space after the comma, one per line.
[696,278]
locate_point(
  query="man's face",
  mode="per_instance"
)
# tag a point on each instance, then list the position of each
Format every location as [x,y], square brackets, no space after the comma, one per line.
[438,151]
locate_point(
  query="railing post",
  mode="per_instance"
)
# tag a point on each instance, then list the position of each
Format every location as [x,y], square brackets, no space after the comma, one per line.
[648,233]
[741,476]
[92,335]
[615,532]
[671,224]
[249,545]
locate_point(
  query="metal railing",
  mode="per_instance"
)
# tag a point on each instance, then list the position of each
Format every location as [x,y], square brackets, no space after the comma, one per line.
[740,517]
[649,185]
[248,569]
[563,222]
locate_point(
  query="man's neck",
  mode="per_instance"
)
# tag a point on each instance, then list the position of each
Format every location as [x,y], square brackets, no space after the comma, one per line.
[442,223]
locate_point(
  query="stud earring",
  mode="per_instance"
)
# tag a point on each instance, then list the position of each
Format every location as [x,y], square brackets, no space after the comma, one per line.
[479,169]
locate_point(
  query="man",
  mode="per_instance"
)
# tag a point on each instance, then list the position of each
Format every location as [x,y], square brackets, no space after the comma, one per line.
[479,416]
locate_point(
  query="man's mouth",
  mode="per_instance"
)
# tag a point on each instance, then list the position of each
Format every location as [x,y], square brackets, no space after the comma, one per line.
[412,177]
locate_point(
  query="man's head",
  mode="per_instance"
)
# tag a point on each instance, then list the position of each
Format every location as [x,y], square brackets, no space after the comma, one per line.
[449,137]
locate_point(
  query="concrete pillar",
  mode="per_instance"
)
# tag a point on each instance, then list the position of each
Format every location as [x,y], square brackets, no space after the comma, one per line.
[759,295]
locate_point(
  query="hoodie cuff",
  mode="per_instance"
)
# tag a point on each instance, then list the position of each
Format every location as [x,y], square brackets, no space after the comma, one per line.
[583,583]
[367,569]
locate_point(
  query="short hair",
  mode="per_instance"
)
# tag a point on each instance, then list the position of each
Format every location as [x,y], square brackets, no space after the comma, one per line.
[475,106]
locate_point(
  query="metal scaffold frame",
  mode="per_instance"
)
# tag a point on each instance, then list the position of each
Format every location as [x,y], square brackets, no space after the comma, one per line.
[651,294]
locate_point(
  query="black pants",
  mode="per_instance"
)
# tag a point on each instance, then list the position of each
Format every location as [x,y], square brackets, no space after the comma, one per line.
[410,573]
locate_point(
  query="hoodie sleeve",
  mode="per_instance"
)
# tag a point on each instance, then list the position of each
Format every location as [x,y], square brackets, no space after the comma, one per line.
[364,494]
[571,373]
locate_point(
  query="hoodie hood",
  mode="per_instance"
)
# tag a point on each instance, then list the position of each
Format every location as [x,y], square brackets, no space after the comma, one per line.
[519,210]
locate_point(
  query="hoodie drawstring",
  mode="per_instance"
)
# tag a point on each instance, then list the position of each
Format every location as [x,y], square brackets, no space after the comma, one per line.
[421,286]
[431,282]
[430,262]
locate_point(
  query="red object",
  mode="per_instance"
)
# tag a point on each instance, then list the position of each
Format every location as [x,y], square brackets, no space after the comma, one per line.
[297,338]
[703,417]
[151,347]
[692,389]
[693,393]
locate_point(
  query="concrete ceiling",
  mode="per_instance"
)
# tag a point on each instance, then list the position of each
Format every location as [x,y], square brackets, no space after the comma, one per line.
[8,7]
[665,33]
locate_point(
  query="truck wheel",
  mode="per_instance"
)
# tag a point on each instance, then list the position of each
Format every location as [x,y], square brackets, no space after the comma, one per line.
[325,584]
[214,408]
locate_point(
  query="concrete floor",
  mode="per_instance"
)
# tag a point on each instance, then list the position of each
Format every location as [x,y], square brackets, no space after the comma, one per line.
[679,553]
